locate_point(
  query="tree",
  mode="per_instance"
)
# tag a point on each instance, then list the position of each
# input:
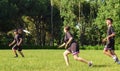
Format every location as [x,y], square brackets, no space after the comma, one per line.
[108,9]
[7,14]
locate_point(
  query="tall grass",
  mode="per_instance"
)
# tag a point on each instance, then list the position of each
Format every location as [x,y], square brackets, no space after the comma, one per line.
[52,60]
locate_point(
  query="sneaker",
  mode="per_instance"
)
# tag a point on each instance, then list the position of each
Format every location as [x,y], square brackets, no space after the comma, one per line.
[116,59]
[23,56]
[118,62]
[90,64]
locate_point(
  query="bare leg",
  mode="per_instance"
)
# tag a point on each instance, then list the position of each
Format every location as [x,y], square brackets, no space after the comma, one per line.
[80,59]
[65,54]
[21,53]
[14,51]
[113,53]
[107,53]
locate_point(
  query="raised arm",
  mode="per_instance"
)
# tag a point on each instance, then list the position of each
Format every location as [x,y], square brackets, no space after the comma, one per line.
[12,43]
[62,45]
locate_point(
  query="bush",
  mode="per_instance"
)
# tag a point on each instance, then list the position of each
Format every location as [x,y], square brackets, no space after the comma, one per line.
[97,47]
[30,47]
[39,47]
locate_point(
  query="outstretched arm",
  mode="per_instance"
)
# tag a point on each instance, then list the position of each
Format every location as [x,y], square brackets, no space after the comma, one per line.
[62,45]
[12,43]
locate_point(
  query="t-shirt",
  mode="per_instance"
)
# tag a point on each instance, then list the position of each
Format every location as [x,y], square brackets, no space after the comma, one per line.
[17,38]
[68,35]
[110,31]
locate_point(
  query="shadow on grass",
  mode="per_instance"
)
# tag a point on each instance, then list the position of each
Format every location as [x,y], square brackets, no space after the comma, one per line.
[101,65]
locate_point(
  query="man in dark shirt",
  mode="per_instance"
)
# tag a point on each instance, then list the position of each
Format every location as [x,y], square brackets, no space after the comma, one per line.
[20,34]
[72,47]
[17,43]
[109,47]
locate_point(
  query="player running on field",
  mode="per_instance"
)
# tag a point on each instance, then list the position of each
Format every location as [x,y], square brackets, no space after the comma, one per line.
[71,47]
[17,42]
[109,47]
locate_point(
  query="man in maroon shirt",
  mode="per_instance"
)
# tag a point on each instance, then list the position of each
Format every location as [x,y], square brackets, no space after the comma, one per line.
[71,47]
[17,42]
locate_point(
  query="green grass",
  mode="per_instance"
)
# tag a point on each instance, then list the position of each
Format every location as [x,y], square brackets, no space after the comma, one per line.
[52,60]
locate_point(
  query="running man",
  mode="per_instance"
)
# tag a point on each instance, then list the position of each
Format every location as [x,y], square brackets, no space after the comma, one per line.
[17,44]
[71,47]
[110,41]
[20,36]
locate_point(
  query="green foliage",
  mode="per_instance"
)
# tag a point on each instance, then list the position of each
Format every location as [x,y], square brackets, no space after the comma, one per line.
[30,47]
[5,39]
[79,15]
[108,9]
[67,12]
[45,20]
[97,47]
[7,14]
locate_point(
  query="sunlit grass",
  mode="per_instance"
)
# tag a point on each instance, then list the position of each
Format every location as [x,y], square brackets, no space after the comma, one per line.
[52,60]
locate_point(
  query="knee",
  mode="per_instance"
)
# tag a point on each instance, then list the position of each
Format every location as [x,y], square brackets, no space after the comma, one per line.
[77,58]
[64,54]
[13,49]
[104,51]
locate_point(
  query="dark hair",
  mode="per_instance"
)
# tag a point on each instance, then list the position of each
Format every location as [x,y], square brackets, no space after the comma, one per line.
[67,28]
[110,19]
[20,31]
[16,30]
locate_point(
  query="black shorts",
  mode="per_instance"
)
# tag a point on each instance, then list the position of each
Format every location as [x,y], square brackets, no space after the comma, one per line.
[110,45]
[74,48]
[15,47]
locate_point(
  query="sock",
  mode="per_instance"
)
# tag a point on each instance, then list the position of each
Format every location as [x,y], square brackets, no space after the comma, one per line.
[114,57]
[22,55]
[16,55]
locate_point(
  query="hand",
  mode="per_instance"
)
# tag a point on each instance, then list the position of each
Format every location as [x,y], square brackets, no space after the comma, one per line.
[18,44]
[108,38]
[59,46]
[9,45]
[104,40]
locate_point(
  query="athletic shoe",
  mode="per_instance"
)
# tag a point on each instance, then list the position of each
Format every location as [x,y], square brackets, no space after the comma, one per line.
[116,59]
[118,62]
[23,56]
[90,64]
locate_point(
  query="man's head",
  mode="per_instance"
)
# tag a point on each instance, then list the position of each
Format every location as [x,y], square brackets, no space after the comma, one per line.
[66,28]
[15,31]
[109,21]
[20,31]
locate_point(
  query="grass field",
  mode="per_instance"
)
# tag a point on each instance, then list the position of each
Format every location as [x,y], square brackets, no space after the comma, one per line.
[52,60]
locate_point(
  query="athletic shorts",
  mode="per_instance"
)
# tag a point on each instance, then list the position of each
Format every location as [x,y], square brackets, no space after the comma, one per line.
[15,47]
[74,48]
[110,45]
